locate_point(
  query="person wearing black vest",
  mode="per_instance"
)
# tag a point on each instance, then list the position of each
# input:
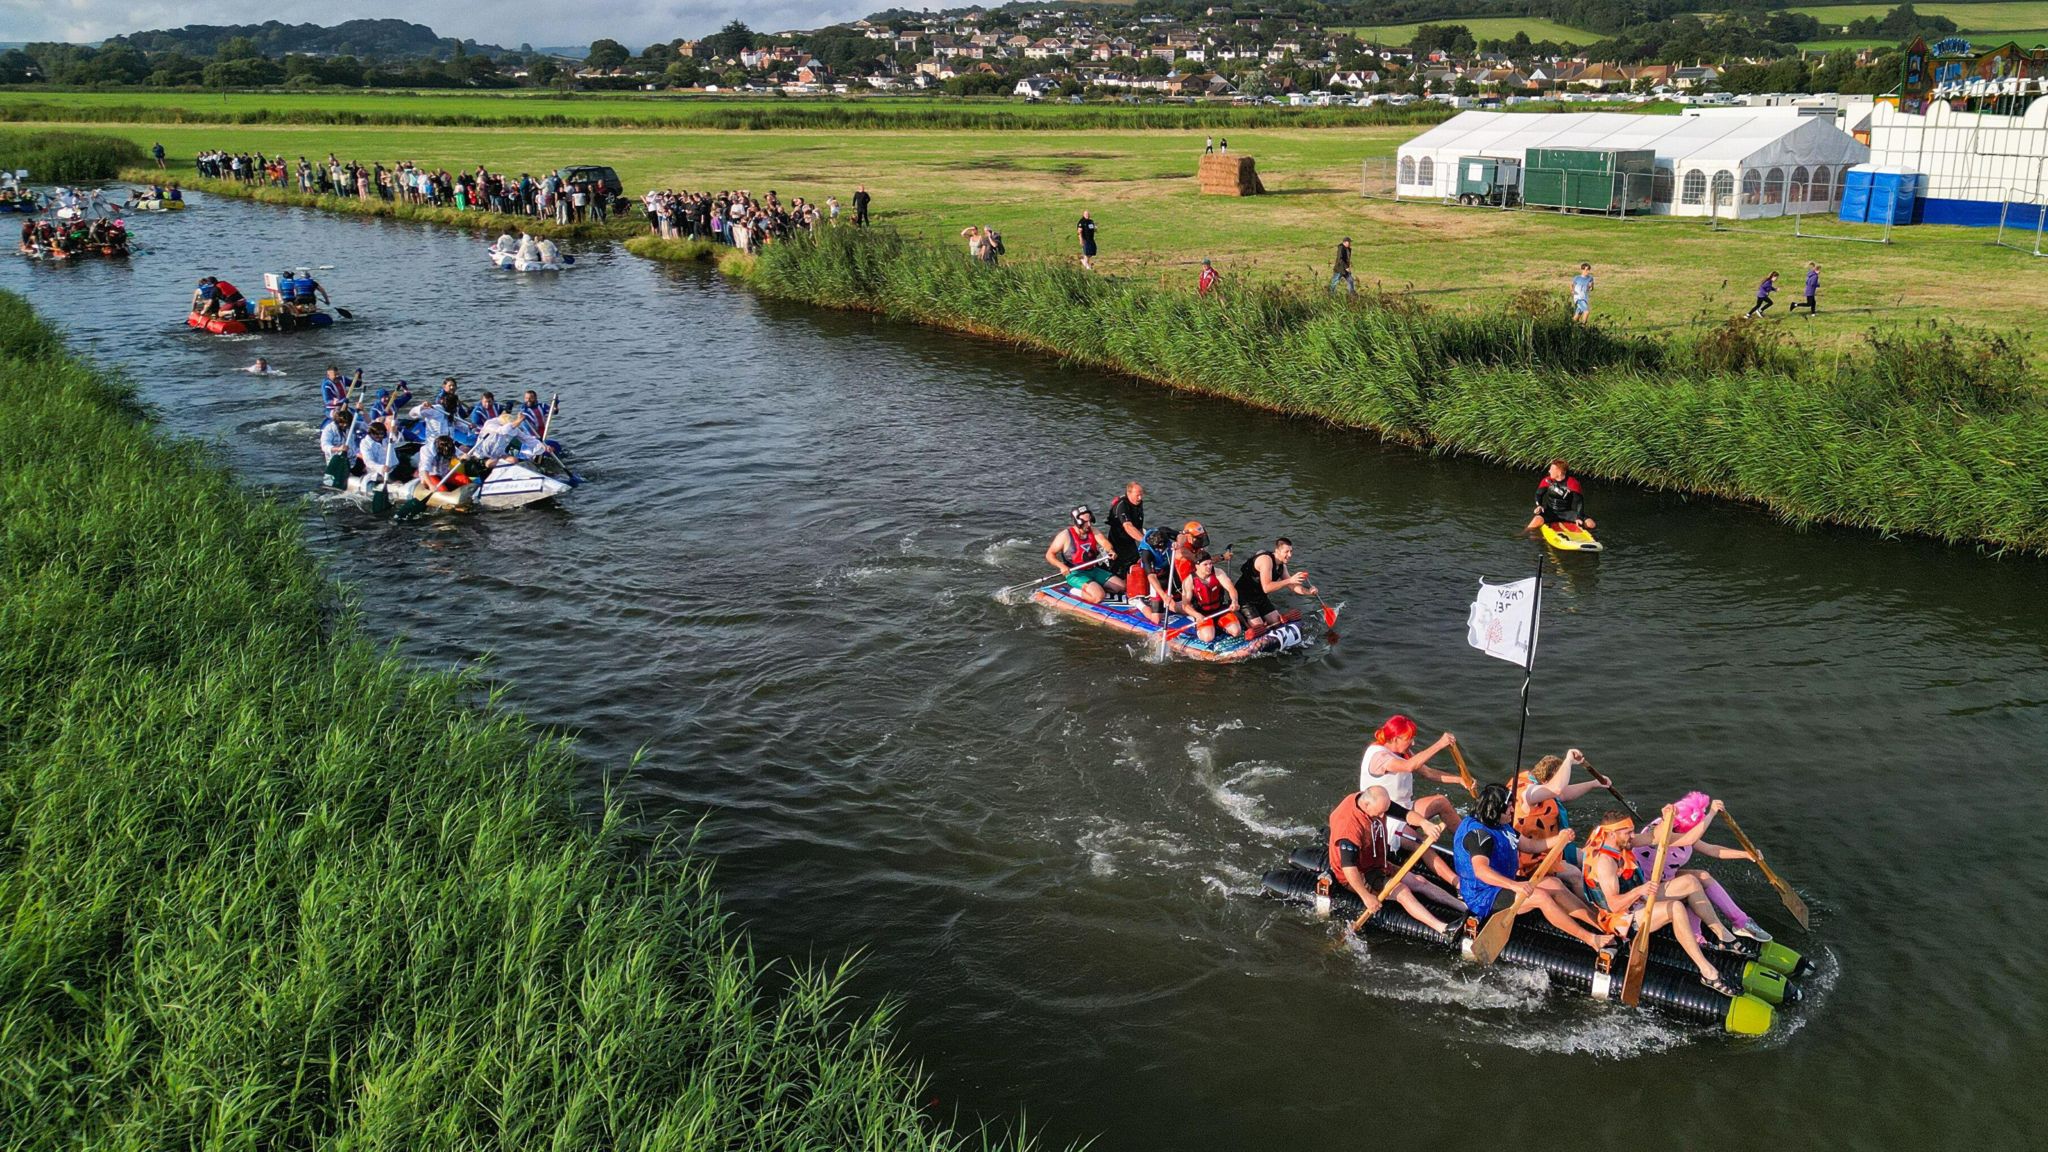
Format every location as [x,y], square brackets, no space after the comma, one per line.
[1264,574]
[1127,527]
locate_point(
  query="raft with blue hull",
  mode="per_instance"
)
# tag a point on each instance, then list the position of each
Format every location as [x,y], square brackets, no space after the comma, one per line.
[1118,614]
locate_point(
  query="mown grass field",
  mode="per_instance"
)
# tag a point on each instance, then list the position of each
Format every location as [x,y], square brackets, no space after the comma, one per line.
[1482,28]
[1996,16]
[1654,274]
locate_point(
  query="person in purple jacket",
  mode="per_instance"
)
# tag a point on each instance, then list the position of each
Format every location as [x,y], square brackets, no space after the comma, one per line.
[1812,292]
[1763,297]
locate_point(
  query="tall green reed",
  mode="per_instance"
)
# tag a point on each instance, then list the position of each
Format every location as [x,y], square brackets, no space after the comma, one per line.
[66,157]
[265,885]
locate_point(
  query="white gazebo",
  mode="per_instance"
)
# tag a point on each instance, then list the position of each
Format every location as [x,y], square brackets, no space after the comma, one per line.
[1732,162]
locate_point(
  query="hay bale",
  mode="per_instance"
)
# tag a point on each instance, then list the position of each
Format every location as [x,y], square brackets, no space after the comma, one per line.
[1229,176]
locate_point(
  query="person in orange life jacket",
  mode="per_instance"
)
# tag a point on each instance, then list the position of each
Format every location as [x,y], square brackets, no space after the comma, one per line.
[1691,810]
[1145,585]
[1191,541]
[1264,574]
[1540,816]
[1362,857]
[1082,554]
[1483,849]
[1211,598]
[1559,500]
[440,466]
[1386,763]
[1620,892]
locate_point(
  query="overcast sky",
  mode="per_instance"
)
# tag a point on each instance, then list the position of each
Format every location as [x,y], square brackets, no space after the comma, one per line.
[507,22]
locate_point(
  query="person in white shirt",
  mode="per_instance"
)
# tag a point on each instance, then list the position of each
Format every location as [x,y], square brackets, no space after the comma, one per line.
[529,252]
[1388,765]
[505,440]
[549,253]
[379,454]
[339,438]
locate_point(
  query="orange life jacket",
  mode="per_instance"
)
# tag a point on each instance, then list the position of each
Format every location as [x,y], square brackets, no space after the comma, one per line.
[1542,820]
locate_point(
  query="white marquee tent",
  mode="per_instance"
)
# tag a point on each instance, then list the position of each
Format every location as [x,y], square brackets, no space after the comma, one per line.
[1735,162]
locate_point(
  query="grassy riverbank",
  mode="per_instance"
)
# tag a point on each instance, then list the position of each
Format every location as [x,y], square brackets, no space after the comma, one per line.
[54,157]
[265,885]
[615,228]
[1939,432]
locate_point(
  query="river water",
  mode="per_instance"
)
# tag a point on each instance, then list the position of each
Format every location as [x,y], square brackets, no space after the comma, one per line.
[778,588]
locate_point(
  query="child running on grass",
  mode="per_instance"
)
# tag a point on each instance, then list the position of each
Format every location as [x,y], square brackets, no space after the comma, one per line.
[1763,297]
[1582,294]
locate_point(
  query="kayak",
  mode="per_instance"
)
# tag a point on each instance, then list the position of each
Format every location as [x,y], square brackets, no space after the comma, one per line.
[506,486]
[1569,538]
[1224,649]
[1671,985]
[151,204]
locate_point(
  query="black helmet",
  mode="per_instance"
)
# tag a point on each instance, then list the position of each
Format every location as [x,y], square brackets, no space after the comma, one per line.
[1159,539]
[1079,511]
[1492,805]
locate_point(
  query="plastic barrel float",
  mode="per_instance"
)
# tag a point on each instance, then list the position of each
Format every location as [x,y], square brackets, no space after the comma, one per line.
[1118,614]
[1769,978]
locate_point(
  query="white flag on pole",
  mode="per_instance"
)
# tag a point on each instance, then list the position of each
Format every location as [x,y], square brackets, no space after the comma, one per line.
[1503,621]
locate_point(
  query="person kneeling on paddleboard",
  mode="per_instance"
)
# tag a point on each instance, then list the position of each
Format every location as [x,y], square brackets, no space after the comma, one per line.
[1484,851]
[1082,554]
[1559,500]
[1616,886]
[1212,600]
[1362,857]
[1386,763]
[1264,574]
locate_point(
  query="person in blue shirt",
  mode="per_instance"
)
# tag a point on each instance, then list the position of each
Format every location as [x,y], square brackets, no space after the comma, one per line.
[534,413]
[1146,583]
[1484,852]
[1812,300]
[1763,297]
[334,390]
[484,410]
[1582,294]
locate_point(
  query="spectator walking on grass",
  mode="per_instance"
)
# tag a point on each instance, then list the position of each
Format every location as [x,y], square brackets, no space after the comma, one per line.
[1582,294]
[1086,228]
[1763,297]
[1208,145]
[861,200]
[1340,271]
[1812,300]
[157,150]
[1207,283]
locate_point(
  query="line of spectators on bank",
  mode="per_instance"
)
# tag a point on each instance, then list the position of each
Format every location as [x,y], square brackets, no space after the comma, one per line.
[733,217]
[545,197]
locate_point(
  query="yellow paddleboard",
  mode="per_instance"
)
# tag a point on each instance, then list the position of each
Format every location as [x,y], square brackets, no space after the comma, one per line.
[1569,538]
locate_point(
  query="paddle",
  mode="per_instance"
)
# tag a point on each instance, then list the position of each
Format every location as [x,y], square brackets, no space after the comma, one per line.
[1639,944]
[1329,616]
[1002,593]
[1793,903]
[1493,935]
[344,313]
[1172,632]
[1609,785]
[1464,773]
[1435,830]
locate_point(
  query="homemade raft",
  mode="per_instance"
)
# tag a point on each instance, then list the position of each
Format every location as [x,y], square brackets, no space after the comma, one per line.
[1769,978]
[264,319]
[506,486]
[1224,649]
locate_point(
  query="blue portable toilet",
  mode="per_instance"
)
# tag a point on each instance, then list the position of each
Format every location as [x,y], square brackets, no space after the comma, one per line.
[1879,194]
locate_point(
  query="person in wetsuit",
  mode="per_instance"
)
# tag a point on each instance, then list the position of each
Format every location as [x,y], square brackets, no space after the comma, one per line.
[1560,500]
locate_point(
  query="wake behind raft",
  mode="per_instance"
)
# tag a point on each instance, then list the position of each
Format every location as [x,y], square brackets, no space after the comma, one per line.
[1770,977]
[1117,613]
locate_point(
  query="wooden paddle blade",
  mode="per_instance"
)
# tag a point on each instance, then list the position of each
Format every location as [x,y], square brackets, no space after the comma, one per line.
[1639,944]
[1786,895]
[1464,772]
[1493,935]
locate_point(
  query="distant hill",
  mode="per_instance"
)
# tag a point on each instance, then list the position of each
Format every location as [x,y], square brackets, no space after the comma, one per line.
[382,39]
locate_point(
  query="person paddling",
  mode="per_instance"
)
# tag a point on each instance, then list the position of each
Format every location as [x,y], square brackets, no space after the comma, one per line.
[440,466]
[505,440]
[1362,857]
[1211,599]
[1264,574]
[378,453]
[1080,552]
[1690,812]
[1559,499]
[1618,892]
[1540,817]
[333,390]
[1146,584]
[1387,763]
[339,439]
[1483,849]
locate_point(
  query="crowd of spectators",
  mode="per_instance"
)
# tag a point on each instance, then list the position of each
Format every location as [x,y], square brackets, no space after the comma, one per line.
[546,197]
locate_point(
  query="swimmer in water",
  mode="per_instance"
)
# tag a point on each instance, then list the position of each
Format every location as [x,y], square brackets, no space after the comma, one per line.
[260,368]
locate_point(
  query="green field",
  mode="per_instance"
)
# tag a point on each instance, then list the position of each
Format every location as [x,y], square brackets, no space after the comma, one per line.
[2004,16]
[1481,27]
[1654,274]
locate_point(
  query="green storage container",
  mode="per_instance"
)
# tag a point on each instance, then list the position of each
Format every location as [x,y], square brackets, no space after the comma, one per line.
[1616,181]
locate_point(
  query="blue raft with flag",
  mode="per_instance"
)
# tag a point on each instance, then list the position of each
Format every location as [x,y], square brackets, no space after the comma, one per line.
[1117,613]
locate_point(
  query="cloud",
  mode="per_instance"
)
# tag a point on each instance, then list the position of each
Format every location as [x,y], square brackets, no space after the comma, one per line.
[507,22]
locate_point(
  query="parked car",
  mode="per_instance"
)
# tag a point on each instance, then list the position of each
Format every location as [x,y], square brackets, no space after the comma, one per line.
[597,174]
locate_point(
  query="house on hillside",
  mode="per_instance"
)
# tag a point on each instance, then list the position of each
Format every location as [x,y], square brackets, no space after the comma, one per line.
[1036,87]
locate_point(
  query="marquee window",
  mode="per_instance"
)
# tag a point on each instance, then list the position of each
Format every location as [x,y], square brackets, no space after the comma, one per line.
[1428,177]
[1724,187]
[1694,190]
[1660,185]
[1407,170]
[1799,181]
[1752,186]
[1820,192]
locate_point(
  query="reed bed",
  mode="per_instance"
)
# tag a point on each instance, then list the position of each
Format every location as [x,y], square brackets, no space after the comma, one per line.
[674,251]
[66,157]
[1938,431]
[265,885]
[718,114]
[628,224]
